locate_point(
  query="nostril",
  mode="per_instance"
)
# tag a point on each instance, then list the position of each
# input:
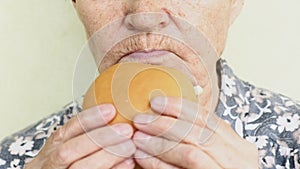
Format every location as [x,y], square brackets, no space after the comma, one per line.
[164,21]
[146,21]
[130,26]
[128,23]
[163,24]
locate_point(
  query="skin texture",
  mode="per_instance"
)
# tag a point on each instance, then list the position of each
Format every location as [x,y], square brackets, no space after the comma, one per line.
[212,18]
[211,144]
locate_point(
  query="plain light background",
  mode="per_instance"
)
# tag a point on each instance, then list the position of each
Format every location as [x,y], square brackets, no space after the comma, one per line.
[41,39]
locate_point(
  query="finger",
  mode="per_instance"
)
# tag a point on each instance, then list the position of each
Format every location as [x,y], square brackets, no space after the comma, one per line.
[217,149]
[127,164]
[185,110]
[183,155]
[93,141]
[85,121]
[147,161]
[178,107]
[105,159]
[170,128]
[189,111]
[182,131]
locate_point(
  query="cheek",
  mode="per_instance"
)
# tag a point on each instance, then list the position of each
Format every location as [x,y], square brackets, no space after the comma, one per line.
[95,14]
[215,23]
[211,17]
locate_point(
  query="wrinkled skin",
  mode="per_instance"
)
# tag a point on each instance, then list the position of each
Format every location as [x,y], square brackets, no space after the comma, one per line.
[213,18]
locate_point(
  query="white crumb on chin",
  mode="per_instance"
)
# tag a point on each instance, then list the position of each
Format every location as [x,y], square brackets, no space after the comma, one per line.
[198,90]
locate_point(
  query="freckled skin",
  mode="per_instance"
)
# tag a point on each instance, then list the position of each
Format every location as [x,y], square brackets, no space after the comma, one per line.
[212,17]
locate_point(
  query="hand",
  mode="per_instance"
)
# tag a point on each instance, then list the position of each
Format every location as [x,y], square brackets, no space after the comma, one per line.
[188,140]
[80,143]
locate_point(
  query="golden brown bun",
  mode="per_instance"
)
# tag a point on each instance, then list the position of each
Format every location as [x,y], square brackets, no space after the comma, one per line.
[130,87]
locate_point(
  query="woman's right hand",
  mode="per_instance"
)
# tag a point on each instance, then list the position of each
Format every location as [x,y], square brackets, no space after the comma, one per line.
[84,141]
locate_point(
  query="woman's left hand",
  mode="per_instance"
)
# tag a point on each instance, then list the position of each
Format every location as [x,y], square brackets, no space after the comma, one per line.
[183,138]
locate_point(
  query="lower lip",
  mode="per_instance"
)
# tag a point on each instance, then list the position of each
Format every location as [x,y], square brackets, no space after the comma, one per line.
[147,55]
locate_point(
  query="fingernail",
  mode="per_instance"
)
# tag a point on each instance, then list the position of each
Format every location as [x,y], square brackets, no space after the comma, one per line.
[129,161]
[158,104]
[107,111]
[144,118]
[122,129]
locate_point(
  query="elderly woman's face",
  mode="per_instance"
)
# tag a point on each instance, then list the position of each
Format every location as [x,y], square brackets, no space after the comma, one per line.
[211,17]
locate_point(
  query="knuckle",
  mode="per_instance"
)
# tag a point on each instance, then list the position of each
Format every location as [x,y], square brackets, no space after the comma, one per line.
[191,157]
[49,164]
[61,157]
[76,166]
[156,164]
[106,164]
[58,135]
[161,144]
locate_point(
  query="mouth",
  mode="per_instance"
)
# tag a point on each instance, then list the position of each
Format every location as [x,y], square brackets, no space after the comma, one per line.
[153,57]
[152,49]
[146,54]
[144,47]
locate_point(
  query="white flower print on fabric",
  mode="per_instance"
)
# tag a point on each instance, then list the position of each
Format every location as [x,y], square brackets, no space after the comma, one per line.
[32,153]
[280,167]
[259,141]
[15,164]
[267,161]
[20,146]
[261,111]
[227,111]
[261,95]
[2,162]
[47,127]
[243,109]
[280,109]
[288,122]
[285,151]
[228,86]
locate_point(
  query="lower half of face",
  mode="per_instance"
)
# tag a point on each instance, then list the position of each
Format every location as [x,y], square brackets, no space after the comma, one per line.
[173,33]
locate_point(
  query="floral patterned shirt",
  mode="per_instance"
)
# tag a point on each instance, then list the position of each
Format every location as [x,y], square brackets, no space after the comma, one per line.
[270,121]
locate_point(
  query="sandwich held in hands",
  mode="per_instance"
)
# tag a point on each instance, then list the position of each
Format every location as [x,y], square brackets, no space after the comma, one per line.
[130,87]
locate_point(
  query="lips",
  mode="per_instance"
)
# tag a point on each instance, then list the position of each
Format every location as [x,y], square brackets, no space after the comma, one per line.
[154,57]
[145,46]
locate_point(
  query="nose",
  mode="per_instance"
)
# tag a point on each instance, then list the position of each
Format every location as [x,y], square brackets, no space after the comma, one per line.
[143,17]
